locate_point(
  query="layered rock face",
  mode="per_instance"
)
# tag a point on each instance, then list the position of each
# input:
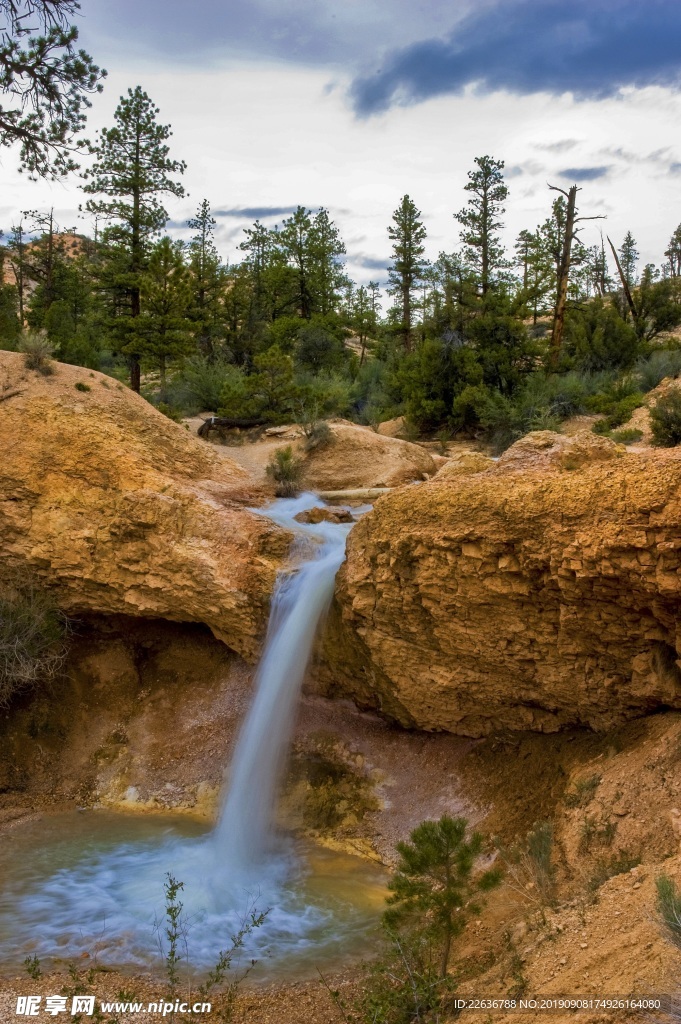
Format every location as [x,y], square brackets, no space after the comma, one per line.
[541,592]
[121,511]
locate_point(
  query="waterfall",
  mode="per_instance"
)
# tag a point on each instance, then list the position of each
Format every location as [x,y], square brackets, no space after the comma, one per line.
[300,600]
[117,885]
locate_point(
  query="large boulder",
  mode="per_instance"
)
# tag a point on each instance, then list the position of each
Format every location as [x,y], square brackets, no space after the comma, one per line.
[541,593]
[120,510]
[356,457]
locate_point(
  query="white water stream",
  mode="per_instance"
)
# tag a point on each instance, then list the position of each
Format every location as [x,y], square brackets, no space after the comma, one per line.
[89,889]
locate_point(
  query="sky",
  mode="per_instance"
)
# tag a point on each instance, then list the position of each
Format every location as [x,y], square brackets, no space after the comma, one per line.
[350,104]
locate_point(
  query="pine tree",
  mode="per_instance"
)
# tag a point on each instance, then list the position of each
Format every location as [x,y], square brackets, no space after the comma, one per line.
[326,263]
[480,219]
[673,253]
[294,240]
[535,264]
[407,233]
[629,258]
[46,82]
[208,282]
[132,170]
[163,330]
[433,885]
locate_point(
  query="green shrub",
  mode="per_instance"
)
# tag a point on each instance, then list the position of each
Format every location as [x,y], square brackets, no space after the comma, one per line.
[79,386]
[665,419]
[201,381]
[38,352]
[630,435]
[669,907]
[317,435]
[285,470]
[33,639]
[168,410]
[617,864]
[660,364]
[529,867]
[583,792]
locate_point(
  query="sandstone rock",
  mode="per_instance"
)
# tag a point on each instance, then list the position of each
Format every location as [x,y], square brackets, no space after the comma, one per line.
[120,510]
[464,464]
[393,428]
[533,595]
[325,515]
[357,457]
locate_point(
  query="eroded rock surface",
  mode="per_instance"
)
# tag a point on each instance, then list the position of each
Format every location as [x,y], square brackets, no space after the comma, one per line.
[358,457]
[121,511]
[542,592]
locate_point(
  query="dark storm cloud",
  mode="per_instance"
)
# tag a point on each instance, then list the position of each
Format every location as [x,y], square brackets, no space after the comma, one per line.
[590,48]
[584,173]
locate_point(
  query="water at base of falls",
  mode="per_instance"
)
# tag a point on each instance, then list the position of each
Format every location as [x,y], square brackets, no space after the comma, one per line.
[110,894]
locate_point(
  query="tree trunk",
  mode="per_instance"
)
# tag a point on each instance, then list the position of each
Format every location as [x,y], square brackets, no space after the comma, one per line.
[563,277]
[625,285]
[135,374]
[444,963]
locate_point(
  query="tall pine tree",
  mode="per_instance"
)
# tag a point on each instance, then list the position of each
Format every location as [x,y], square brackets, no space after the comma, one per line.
[132,170]
[481,219]
[407,233]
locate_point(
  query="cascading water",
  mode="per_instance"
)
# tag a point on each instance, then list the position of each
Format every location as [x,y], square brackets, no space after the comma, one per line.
[114,890]
[299,602]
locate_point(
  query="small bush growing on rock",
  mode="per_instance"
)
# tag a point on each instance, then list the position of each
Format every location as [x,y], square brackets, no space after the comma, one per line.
[665,419]
[651,371]
[317,435]
[630,435]
[529,867]
[617,864]
[38,352]
[79,386]
[33,639]
[285,470]
[583,792]
[669,907]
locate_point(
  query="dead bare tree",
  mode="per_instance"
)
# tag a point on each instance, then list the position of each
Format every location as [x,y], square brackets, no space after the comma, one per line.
[571,232]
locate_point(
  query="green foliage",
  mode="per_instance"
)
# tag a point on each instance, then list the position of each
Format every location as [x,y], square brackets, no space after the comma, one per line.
[529,866]
[33,638]
[80,386]
[285,470]
[481,219]
[10,325]
[608,867]
[173,930]
[132,170]
[407,233]
[433,885]
[617,400]
[597,338]
[162,331]
[583,791]
[662,363]
[33,969]
[317,435]
[630,435]
[38,352]
[665,419]
[403,986]
[669,907]
[200,383]
[46,81]
[594,832]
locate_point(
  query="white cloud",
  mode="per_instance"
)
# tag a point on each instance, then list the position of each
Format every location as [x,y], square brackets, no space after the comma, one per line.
[270,135]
